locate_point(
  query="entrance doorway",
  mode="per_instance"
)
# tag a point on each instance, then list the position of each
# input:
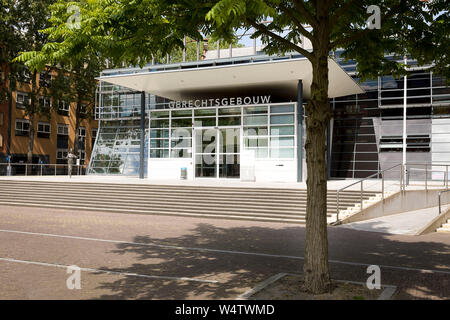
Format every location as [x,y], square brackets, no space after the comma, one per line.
[217,152]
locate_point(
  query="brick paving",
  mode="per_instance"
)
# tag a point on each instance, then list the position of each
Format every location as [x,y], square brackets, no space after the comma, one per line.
[350,252]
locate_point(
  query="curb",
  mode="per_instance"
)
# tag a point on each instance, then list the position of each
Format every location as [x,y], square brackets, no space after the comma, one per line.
[387,293]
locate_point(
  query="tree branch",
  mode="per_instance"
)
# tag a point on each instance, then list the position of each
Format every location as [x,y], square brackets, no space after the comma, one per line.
[335,17]
[302,29]
[265,30]
[300,5]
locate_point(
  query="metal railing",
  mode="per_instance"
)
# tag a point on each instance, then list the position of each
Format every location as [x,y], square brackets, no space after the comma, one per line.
[38,169]
[377,175]
[428,169]
[439,199]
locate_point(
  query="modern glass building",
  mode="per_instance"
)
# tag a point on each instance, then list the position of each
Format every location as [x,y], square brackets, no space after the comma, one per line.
[242,118]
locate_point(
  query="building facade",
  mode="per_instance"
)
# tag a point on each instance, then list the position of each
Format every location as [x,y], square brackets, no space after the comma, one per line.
[54,134]
[242,118]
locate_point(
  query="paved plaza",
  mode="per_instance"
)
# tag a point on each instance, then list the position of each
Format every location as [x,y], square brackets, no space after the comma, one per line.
[129,256]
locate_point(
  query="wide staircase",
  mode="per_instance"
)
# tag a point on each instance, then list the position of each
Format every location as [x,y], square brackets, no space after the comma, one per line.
[257,204]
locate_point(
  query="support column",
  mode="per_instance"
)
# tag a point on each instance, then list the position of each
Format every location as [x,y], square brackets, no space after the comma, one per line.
[300,131]
[142,149]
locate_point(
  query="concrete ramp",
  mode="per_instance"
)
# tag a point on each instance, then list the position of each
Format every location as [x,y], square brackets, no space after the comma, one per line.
[407,223]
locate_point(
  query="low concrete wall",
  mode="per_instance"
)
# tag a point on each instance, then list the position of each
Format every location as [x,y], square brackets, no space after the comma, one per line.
[401,202]
[435,224]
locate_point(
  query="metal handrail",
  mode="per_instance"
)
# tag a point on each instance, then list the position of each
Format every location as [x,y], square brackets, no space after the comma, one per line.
[49,165]
[426,165]
[362,186]
[403,173]
[439,199]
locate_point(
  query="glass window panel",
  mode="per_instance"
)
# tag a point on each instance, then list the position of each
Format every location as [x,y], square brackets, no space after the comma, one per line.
[229,121]
[159,133]
[281,130]
[159,143]
[255,110]
[159,123]
[181,143]
[261,152]
[255,120]
[205,122]
[282,109]
[285,119]
[159,114]
[181,113]
[182,132]
[181,153]
[256,142]
[205,112]
[255,131]
[182,122]
[282,142]
[159,153]
[224,111]
[285,153]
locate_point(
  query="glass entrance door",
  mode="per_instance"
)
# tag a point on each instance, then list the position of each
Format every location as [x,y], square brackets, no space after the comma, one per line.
[217,153]
[229,152]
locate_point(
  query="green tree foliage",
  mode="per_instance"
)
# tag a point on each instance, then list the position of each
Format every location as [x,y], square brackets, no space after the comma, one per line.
[134,31]
[20,30]
[76,84]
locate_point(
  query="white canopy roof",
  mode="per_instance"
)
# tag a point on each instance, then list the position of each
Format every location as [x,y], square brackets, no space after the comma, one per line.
[277,78]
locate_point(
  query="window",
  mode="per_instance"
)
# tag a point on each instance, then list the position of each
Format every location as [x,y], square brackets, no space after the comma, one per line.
[63,107]
[43,130]
[83,109]
[25,76]
[45,102]
[61,156]
[81,138]
[22,127]
[63,136]
[45,79]
[63,129]
[22,100]
[81,156]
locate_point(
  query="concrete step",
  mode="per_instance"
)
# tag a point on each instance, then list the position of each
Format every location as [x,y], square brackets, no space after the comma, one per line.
[275,201]
[178,207]
[226,203]
[178,191]
[299,218]
[140,187]
[259,204]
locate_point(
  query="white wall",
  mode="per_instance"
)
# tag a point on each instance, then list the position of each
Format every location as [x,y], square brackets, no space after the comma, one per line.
[276,170]
[169,169]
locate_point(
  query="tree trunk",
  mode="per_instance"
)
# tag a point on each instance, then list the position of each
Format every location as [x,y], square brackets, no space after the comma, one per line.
[316,276]
[32,112]
[31,140]
[77,127]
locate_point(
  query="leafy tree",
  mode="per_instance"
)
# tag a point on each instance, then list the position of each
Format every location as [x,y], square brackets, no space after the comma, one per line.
[134,31]
[20,25]
[76,85]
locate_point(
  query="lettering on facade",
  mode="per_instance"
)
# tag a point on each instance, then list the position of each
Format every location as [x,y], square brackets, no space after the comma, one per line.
[234,101]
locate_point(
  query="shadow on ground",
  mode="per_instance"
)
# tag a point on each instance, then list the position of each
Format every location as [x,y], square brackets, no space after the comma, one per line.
[237,273]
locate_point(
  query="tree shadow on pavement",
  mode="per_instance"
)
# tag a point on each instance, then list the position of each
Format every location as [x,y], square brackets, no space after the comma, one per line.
[236,273]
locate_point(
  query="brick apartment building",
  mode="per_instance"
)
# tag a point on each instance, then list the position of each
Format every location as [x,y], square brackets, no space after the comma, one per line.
[54,135]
